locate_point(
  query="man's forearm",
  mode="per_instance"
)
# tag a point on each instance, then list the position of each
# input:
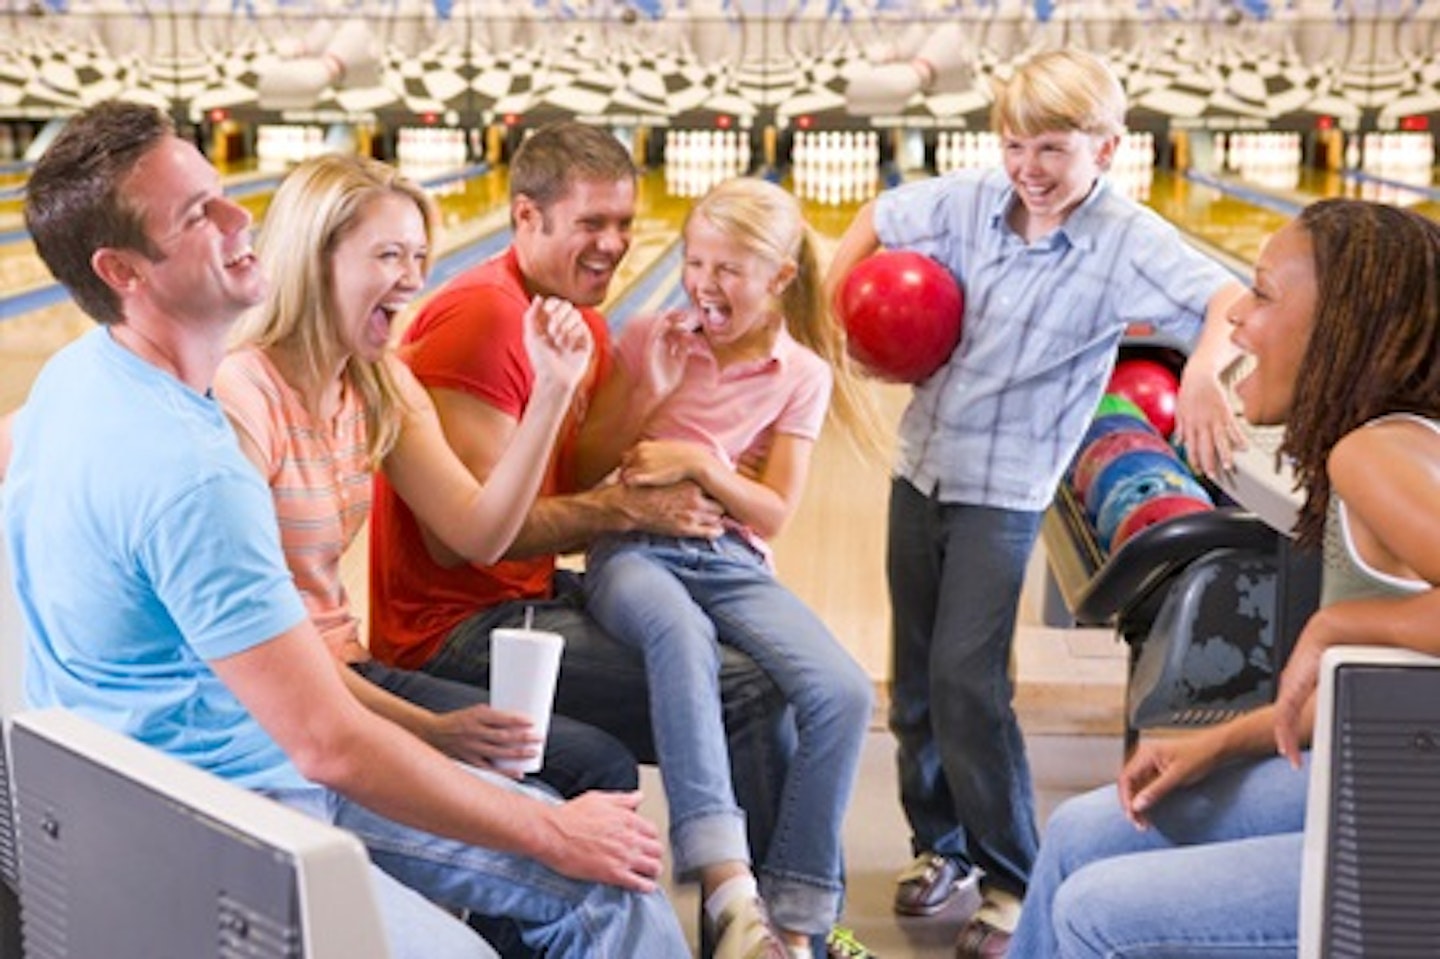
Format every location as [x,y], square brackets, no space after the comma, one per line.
[566,524]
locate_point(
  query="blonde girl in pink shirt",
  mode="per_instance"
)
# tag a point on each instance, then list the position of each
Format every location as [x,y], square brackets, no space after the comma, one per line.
[731,394]
[320,401]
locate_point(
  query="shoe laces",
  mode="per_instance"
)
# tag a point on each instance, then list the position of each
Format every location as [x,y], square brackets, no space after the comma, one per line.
[842,944]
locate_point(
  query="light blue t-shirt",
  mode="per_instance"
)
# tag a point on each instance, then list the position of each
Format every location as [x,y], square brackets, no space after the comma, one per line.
[997,424]
[143,545]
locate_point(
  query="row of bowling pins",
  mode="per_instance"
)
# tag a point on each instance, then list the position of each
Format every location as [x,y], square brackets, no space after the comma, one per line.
[696,160]
[15,140]
[835,149]
[966,149]
[1252,153]
[835,166]
[432,147]
[281,144]
[1406,155]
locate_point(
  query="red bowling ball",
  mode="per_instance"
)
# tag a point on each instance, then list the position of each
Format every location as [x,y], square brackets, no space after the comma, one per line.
[1155,511]
[1150,385]
[901,312]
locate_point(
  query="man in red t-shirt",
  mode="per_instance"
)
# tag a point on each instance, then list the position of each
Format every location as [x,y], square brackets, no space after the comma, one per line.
[572,204]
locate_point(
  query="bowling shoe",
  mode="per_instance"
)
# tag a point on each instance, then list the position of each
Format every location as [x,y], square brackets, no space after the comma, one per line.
[743,931]
[980,940]
[932,882]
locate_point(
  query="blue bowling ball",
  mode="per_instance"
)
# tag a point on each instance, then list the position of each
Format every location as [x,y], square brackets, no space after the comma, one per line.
[1109,423]
[1138,489]
[1121,468]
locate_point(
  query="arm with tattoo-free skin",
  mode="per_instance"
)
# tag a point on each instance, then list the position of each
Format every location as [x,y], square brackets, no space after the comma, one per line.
[1388,477]
[290,685]
[1205,422]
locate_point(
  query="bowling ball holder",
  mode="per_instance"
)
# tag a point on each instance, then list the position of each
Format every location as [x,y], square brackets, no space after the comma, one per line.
[1209,605]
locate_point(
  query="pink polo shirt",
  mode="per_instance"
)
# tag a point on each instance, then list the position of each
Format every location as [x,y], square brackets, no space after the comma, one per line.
[737,411]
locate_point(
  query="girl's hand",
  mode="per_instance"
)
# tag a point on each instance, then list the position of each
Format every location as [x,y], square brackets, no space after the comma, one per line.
[663,463]
[557,341]
[671,340]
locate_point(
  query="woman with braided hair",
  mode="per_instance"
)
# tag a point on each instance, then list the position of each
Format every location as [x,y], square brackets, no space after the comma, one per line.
[1197,850]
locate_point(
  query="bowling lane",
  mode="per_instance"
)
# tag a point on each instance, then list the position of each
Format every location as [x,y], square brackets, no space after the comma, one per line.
[1303,185]
[1222,219]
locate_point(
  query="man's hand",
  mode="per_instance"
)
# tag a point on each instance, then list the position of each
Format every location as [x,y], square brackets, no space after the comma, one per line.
[601,838]
[680,510]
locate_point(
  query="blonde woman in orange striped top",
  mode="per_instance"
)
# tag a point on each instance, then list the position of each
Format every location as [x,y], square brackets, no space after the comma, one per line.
[319,402]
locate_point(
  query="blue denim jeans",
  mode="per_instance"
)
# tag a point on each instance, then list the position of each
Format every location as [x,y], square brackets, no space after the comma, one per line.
[602,683]
[577,757]
[680,601]
[556,916]
[1216,876]
[955,573]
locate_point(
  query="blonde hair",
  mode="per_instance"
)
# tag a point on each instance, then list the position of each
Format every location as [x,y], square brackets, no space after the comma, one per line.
[1060,90]
[767,221]
[316,206]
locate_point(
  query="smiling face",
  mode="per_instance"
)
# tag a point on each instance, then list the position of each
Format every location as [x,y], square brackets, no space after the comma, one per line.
[1053,172]
[733,287]
[377,267]
[1273,322]
[204,268]
[572,248]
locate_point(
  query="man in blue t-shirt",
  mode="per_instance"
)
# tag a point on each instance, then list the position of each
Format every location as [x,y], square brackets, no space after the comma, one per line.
[157,602]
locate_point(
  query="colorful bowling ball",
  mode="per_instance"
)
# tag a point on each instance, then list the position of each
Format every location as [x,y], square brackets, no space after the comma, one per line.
[1137,489]
[901,312]
[1112,404]
[1150,385]
[1106,449]
[1154,511]
[1121,468]
[1113,423]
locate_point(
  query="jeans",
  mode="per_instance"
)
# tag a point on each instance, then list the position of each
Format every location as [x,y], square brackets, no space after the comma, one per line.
[577,757]
[556,916]
[680,601]
[955,572]
[602,683]
[1216,876]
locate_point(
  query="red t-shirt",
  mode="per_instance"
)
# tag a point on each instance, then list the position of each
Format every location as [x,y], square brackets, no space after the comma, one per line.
[466,338]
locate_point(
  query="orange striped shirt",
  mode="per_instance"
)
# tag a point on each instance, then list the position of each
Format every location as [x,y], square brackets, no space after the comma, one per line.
[319,476]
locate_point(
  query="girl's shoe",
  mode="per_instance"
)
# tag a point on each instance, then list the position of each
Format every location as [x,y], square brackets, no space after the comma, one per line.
[842,944]
[743,931]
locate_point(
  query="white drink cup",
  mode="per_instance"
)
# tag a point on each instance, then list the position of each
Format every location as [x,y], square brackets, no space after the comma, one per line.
[524,664]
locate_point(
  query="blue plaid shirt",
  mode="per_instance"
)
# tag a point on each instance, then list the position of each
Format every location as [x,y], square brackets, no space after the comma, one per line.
[998,423]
